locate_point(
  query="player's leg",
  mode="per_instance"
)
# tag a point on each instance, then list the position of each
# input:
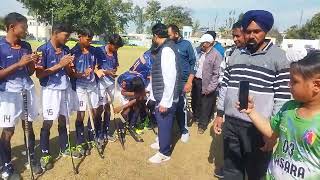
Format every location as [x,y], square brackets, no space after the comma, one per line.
[50,111]
[5,152]
[10,111]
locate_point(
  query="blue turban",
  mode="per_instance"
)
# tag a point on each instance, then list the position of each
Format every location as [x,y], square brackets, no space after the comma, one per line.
[263,18]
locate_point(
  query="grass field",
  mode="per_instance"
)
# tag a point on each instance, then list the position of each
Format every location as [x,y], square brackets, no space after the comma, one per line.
[191,161]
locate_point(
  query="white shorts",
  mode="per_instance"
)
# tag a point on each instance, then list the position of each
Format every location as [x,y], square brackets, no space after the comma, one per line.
[54,103]
[11,107]
[82,98]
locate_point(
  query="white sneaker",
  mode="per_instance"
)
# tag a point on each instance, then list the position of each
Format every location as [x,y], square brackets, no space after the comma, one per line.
[155,145]
[159,158]
[185,137]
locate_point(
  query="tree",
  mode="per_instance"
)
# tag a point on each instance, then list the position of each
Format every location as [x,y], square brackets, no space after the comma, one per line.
[139,19]
[195,26]
[2,25]
[176,15]
[152,13]
[94,14]
[310,30]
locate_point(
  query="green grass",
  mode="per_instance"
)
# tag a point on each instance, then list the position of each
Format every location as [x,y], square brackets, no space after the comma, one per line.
[127,54]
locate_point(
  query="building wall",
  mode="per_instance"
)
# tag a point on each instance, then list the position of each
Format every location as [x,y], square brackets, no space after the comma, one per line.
[300,43]
[38,30]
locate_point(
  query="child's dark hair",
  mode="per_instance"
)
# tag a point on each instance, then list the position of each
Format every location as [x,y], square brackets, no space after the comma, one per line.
[61,27]
[116,40]
[160,30]
[309,66]
[85,32]
[175,28]
[14,18]
[137,84]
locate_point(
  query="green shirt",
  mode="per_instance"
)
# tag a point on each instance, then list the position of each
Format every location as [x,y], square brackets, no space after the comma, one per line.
[298,152]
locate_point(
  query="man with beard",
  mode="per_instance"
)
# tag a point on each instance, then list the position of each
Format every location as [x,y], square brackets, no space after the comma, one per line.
[165,89]
[264,65]
[186,62]
[239,41]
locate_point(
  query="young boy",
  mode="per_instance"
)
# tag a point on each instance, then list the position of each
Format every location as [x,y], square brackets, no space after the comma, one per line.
[53,72]
[17,64]
[106,71]
[131,93]
[84,82]
[297,124]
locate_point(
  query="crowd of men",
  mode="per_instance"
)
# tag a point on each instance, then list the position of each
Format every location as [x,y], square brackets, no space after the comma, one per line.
[83,79]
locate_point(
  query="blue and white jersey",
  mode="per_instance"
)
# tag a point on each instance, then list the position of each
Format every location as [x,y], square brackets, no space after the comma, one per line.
[127,77]
[82,62]
[106,62]
[20,79]
[143,65]
[51,57]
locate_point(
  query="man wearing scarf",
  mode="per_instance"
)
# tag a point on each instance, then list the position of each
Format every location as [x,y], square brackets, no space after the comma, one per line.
[265,66]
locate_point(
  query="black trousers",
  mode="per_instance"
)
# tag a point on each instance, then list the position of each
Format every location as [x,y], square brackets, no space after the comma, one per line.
[202,105]
[242,155]
[196,98]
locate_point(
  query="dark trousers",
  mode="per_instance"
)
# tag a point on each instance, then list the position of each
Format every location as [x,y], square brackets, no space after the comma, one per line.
[202,105]
[196,98]
[165,123]
[242,155]
[181,114]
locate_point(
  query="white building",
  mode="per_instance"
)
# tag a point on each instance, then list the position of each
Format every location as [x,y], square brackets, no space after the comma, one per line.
[186,32]
[38,30]
[300,43]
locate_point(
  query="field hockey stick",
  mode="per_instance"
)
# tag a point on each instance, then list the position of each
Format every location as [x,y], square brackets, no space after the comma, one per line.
[120,133]
[26,128]
[75,170]
[89,108]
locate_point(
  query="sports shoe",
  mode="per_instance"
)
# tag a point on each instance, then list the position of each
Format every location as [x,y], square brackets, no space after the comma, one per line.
[9,173]
[46,162]
[159,158]
[200,130]
[155,146]
[218,173]
[185,137]
[67,153]
[138,131]
[111,138]
[100,144]
[36,167]
[83,150]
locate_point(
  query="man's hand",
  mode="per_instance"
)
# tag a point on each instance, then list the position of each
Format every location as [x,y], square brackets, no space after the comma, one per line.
[111,72]
[35,58]
[87,72]
[187,87]
[163,109]
[25,59]
[217,125]
[269,143]
[100,73]
[66,60]
[117,110]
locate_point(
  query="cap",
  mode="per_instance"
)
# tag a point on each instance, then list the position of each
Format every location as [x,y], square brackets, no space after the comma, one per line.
[206,38]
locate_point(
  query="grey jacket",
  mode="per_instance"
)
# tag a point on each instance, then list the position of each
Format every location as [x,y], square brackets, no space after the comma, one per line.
[268,74]
[210,70]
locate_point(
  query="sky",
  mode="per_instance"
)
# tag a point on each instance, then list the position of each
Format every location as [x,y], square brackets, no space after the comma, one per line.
[286,12]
